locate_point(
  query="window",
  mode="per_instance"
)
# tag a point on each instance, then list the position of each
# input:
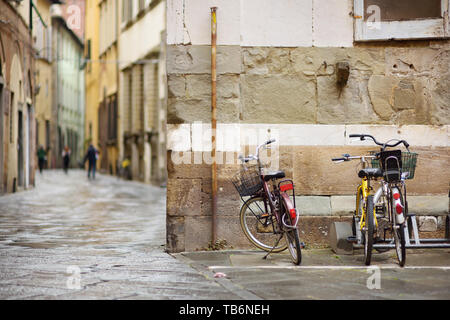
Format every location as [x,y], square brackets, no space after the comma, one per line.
[401,19]
[141,5]
[127,11]
[47,134]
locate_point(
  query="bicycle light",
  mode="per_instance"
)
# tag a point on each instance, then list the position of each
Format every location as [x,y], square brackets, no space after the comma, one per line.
[293,214]
[397,203]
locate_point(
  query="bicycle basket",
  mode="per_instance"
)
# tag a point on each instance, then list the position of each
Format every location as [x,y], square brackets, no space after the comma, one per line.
[247,181]
[408,163]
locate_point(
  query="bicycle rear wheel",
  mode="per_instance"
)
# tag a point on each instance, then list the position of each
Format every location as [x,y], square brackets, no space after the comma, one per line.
[259,226]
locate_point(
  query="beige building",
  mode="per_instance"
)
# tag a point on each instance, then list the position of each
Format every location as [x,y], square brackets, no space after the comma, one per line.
[142,88]
[101,71]
[308,73]
[42,37]
[17,87]
[108,79]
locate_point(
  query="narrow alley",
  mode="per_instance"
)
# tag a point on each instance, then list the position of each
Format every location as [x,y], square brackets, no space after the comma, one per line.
[71,238]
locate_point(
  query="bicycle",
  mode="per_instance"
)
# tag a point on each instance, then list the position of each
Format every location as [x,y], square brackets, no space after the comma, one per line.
[393,167]
[269,214]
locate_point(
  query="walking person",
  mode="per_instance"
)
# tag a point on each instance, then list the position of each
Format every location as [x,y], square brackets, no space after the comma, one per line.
[91,156]
[66,158]
[42,157]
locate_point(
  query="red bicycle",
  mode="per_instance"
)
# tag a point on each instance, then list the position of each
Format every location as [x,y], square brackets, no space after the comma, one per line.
[269,212]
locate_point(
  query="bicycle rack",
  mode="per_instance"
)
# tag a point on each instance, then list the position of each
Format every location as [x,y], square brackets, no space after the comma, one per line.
[413,242]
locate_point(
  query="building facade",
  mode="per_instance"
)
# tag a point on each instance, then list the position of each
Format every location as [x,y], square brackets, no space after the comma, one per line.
[108,79]
[17,87]
[101,81]
[142,97]
[42,37]
[68,92]
[307,73]
[91,70]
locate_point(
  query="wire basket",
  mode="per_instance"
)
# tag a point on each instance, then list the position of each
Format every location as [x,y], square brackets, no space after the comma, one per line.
[247,181]
[409,162]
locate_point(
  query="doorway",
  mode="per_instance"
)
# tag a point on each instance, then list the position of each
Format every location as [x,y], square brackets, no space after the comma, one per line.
[20,150]
[2,133]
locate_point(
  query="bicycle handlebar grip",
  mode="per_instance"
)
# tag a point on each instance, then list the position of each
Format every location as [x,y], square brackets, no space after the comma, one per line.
[355,135]
[406,144]
[338,159]
[270,141]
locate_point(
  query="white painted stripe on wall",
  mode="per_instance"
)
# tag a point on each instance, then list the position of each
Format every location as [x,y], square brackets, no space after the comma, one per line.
[268,23]
[231,137]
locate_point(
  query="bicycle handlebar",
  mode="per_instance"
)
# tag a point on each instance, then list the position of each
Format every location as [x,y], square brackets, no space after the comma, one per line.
[383,145]
[256,157]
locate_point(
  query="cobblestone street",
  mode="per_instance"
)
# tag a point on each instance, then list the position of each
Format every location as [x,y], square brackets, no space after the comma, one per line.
[71,238]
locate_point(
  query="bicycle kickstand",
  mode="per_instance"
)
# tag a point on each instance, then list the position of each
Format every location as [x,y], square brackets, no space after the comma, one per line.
[278,241]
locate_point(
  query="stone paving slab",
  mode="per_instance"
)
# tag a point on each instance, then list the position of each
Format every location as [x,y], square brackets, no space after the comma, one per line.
[325,275]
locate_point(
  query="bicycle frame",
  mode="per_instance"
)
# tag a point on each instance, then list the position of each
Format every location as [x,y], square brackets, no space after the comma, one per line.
[269,198]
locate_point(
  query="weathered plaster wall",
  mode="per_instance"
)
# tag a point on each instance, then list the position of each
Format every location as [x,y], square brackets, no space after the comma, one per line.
[280,74]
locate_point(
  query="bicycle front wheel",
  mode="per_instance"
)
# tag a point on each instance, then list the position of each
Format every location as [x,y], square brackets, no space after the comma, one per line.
[368,232]
[400,246]
[398,231]
[259,226]
[294,247]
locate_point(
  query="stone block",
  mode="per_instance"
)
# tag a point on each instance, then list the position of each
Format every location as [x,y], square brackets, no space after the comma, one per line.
[197,232]
[184,197]
[278,99]
[313,206]
[428,223]
[188,110]
[428,205]
[196,59]
[343,205]
[339,232]
[176,85]
[380,93]
[316,174]
[175,234]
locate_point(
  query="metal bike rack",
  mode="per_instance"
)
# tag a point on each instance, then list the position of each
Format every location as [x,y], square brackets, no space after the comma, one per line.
[411,242]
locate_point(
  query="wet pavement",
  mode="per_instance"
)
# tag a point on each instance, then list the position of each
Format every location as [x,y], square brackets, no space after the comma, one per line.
[325,275]
[71,238]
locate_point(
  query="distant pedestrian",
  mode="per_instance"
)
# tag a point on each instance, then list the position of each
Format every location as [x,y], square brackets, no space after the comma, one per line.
[42,157]
[66,158]
[91,157]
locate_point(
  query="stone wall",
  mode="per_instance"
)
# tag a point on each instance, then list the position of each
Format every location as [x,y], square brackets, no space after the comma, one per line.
[404,85]
[286,76]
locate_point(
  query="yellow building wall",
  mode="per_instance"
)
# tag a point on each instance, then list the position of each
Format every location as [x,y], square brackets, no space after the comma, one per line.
[43,77]
[92,73]
[108,86]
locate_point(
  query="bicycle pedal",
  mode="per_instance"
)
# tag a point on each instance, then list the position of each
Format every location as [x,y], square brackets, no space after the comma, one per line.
[264,215]
[302,245]
[352,239]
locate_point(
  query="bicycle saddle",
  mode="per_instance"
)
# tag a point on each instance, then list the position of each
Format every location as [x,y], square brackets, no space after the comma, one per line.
[274,175]
[370,173]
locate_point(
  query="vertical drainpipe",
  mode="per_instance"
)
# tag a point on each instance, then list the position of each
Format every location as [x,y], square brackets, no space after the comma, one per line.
[213,123]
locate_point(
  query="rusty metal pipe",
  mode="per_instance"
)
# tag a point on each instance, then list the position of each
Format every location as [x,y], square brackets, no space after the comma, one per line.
[213,123]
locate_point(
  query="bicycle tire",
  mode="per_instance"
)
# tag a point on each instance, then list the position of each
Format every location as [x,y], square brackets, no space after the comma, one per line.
[368,234]
[249,225]
[293,245]
[399,235]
